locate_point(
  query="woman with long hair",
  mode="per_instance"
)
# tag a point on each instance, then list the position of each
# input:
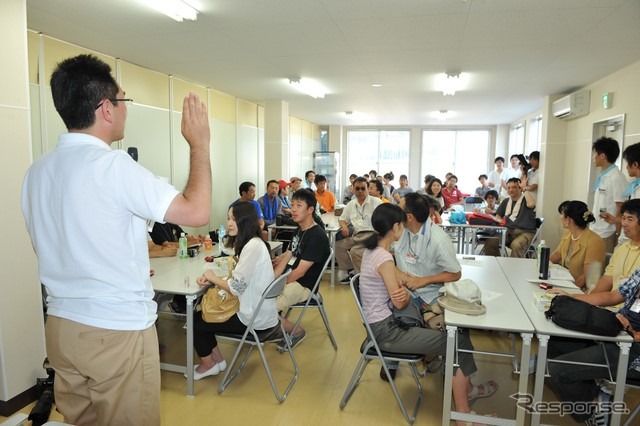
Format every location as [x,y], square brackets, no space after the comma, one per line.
[379,288]
[580,247]
[250,278]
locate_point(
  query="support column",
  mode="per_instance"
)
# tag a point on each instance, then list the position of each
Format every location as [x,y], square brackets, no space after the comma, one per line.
[276,140]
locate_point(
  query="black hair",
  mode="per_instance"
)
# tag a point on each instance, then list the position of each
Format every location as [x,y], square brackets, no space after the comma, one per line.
[492,192]
[498,159]
[579,213]
[306,174]
[248,226]
[373,172]
[562,206]
[384,217]
[430,184]
[353,175]
[514,179]
[320,178]
[482,176]
[631,206]
[273,181]
[404,177]
[631,154]
[245,186]
[428,179]
[78,85]
[388,176]
[607,146]
[515,155]
[378,185]
[535,155]
[361,179]
[307,196]
[418,205]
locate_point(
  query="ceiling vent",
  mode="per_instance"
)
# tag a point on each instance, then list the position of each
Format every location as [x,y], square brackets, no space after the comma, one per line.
[572,106]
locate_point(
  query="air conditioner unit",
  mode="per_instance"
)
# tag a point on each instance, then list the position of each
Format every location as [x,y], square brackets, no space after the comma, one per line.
[572,106]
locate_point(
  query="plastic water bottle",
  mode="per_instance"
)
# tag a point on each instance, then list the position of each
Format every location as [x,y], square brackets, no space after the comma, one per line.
[221,233]
[182,242]
[208,243]
[538,252]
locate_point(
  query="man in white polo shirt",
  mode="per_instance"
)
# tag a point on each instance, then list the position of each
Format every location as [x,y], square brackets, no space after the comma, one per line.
[85,206]
[356,214]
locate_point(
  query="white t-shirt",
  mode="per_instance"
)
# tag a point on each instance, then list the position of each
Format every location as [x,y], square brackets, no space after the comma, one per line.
[496,178]
[532,178]
[609,192]
[85,206]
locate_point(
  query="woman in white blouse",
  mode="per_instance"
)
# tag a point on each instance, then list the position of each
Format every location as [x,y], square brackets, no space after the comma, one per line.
[251,276]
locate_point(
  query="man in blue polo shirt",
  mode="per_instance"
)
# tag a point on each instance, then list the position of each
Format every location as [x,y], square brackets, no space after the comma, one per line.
[248,193]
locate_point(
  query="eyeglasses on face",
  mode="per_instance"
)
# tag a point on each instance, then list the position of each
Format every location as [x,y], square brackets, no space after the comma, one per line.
[126,101]
[359,188]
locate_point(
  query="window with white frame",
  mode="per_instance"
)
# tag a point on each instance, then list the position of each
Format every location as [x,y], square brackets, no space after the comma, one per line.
[381,150]
[516,140]
[461,152]
[534,138]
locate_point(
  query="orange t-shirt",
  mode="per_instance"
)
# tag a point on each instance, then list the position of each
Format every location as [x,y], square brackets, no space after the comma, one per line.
[326,200]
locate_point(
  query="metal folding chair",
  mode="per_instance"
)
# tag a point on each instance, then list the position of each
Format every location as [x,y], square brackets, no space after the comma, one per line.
[255,338]
[315,301]
[531,251]
[371,350]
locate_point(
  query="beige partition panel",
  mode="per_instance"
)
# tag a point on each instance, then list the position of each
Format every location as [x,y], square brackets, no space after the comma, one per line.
[295,148]
[181,88]
[56,51]
[148,130]
[146,87]
[223,107]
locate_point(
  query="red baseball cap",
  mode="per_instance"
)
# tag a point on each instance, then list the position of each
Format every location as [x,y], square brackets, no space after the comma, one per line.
[283,184]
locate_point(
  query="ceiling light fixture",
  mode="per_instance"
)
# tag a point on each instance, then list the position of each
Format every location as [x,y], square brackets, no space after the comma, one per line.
[451,82]
[376,85]
[308,87]
[443,114]
[175,9]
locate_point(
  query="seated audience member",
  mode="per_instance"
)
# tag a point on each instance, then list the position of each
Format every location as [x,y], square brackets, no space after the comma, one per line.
[484,186]
[434,189]
[450,193]
[388,188]
[580,247]
[434,209]
[372,175]
[608,190]
[296,183]
[399,193]
[532,174]
[348,190]
[283,196]
[581,383]
[521,220]
[309,180]
[379,289]
[325,198]
[247,192]
[356,214]
[309,249]
[250,278]
[167,235]
[497,178]
[270,204]
[491,198]
[375,190]
[427,181]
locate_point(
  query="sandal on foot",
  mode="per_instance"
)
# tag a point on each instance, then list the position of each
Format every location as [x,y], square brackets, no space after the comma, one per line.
[483,390]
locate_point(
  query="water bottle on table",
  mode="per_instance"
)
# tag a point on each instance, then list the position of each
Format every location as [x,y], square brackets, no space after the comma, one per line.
[182,246]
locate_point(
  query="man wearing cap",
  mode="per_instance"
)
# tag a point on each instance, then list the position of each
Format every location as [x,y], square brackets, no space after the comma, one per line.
[425,251]
[296,183]
[283,196]
[325,198]
[356,214]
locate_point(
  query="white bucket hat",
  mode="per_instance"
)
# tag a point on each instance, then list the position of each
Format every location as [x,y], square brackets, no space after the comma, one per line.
[463,297]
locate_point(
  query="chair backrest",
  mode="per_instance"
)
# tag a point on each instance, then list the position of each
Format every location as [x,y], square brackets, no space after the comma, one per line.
[471,203]
[355,290]
[539,223]
[275,288]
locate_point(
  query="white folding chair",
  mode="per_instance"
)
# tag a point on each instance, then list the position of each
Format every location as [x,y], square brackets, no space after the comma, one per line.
[256,338]
[315,301]
[371,350]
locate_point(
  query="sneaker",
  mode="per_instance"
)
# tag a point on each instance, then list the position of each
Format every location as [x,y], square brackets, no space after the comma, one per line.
[295,340]
[343,277]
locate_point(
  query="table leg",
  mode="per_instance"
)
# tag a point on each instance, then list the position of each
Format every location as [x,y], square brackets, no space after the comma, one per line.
[503,242]
[448,374]
[524,375]
[543,342]
[333,257]
[621,378]
[190,300]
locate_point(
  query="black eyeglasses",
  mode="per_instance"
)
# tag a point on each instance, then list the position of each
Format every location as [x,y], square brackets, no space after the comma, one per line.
[127,102]
[359,188]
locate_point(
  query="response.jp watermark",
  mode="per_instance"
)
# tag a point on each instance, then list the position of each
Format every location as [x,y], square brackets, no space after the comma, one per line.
[561,408]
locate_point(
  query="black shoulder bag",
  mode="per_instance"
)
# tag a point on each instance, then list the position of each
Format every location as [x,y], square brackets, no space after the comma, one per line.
[574,314]
[407,317]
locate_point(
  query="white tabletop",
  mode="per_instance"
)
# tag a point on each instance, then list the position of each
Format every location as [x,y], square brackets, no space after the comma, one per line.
[503,308]
[518,271]
[331,220]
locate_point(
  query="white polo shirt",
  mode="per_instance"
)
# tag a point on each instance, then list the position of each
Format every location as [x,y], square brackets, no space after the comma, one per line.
[608,193]
[86,206]
[360,215]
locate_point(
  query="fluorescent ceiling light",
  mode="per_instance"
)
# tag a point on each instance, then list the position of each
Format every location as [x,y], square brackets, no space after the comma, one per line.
[441,115]
[175,9]
[376,85]
[308,87]
[451,82]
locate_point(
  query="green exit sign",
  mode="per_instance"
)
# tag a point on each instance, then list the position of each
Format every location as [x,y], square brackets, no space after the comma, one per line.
[607,100]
